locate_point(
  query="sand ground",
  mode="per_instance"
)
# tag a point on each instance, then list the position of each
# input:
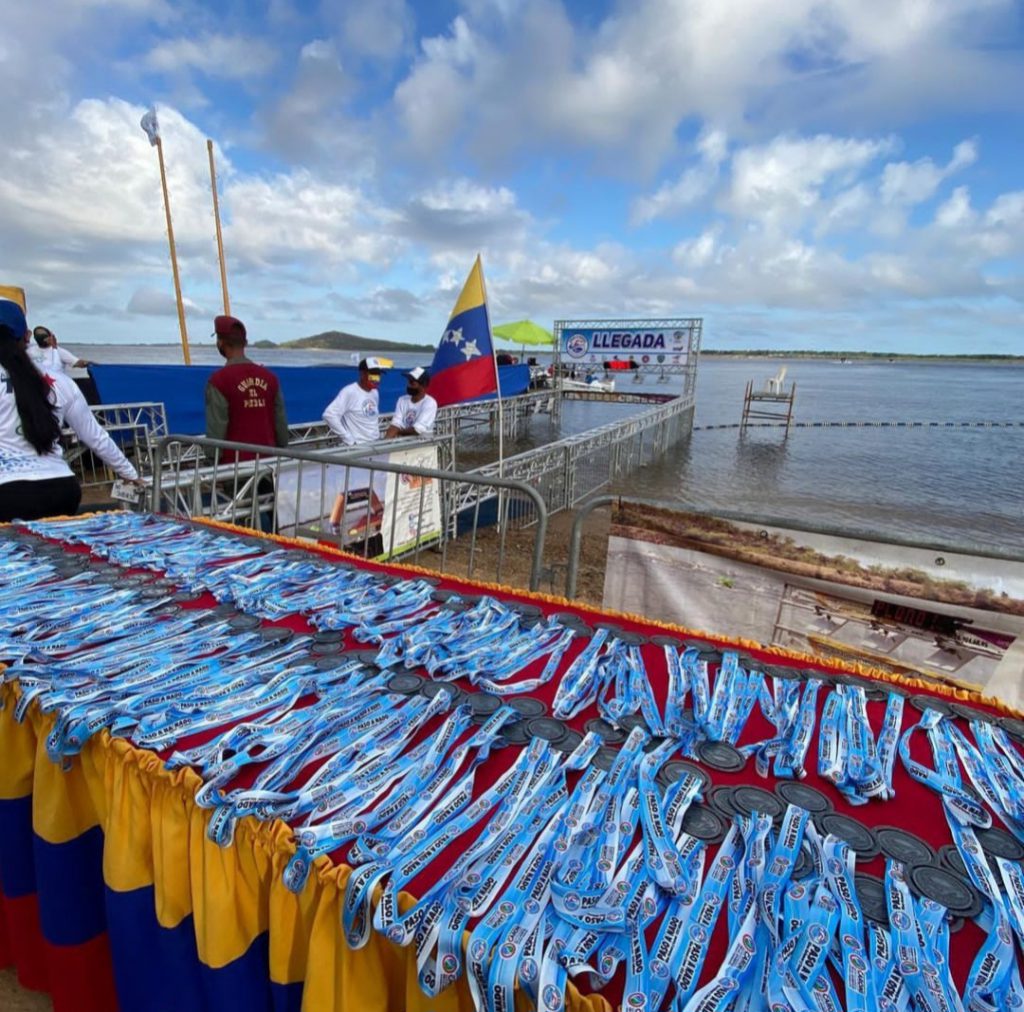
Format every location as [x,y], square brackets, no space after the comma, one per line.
[14,998]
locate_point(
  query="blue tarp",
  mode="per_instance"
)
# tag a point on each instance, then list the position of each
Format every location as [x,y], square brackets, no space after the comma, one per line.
[307,389]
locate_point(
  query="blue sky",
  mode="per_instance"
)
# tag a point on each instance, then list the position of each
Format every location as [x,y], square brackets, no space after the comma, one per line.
[829,174]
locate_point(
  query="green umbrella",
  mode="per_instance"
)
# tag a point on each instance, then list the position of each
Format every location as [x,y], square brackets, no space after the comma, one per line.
[523,332]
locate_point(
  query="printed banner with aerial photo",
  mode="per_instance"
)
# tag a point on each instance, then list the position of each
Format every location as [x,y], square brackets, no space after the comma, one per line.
[917,611]
[317,500]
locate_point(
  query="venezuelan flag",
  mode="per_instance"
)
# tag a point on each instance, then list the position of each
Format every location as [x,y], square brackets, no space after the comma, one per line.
[464,368]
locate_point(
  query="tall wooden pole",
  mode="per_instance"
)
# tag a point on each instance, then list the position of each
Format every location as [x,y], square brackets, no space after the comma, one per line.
[174,255]
[220,239]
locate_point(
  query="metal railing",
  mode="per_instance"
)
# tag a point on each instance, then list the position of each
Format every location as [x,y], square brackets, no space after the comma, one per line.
[250,493]
[567,471]
[134,427]
[763,523]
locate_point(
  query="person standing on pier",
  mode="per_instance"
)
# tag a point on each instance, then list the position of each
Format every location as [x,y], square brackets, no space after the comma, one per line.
[353,417]
[35,480]
[244,403]
[48,357]
[416,410]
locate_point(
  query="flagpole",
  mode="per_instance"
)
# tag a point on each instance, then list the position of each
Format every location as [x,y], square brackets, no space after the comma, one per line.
[497,378]
[174,256]
[220,240]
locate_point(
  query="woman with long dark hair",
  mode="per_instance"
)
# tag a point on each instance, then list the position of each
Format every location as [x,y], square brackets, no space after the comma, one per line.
[35,480]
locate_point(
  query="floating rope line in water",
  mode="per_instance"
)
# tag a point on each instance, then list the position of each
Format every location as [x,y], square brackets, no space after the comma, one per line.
[862,425]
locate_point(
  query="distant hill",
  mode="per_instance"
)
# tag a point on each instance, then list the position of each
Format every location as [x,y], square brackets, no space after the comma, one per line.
[336,340]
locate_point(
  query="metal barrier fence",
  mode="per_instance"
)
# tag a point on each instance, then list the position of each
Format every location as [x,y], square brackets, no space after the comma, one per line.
[134,427]
[251,492]
[569,470]
[599,502]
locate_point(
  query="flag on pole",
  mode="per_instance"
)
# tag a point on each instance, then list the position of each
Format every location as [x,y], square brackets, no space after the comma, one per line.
[464,368]
[150,126]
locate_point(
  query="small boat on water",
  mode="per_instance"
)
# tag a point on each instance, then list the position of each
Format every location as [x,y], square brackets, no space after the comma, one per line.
[590,383]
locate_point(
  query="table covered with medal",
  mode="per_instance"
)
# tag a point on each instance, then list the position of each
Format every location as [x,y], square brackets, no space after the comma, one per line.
[237,773]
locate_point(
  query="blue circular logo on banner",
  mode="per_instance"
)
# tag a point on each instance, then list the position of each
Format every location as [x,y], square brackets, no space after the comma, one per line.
[577,346]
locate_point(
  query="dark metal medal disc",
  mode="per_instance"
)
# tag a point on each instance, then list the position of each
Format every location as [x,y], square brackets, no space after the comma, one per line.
[328,636]
[327,649]
[132,580]
[515,733]
[872,898]
[605,757]
[710,656]
[653,743]
[569,742]
[924,703]
[368,658]
[860,839]
[947,888]
[276,634]
[432,689]
[528,706]
[405,683]
[1014,727]
[606,731]
[526,610]
[186,596]
[330,663]
[972,713]
[547,728]
[783,674]
[441,595]
[632,720]
[242,622]
[804,865]
[720,798]
[704,823]
[803,796]
[483,702]
[903,846]
[668,641]
[676,769]
[720,755]
[999,843]
[951,859]
[748,800]
[572,621]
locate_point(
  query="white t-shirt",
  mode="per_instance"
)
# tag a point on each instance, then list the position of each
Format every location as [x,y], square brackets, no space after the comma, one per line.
[18,458]
[352,415]
[54,361]
[410,414]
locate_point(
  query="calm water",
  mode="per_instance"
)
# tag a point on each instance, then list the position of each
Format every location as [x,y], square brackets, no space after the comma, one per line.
[949,485]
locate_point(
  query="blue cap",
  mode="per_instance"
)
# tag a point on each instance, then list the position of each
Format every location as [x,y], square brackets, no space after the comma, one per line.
[11,316]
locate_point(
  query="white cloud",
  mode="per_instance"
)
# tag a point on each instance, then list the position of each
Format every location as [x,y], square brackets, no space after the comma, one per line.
[778,184]
[651,65]
[694,183]
[232,57]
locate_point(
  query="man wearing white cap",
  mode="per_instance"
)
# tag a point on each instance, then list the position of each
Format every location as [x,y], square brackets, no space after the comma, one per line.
[416,410]
[352,415]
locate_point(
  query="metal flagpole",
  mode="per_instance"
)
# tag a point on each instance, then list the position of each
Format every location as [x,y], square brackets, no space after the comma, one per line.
[220,240]
[152,130]
[497,380]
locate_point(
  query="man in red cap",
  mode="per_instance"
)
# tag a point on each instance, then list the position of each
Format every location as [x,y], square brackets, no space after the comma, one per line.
[244,403]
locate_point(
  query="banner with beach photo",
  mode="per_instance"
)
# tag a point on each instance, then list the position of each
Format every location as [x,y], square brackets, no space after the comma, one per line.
[932,613]
[321,501]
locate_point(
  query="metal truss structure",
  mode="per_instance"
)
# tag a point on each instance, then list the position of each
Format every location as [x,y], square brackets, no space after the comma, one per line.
[692,327]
